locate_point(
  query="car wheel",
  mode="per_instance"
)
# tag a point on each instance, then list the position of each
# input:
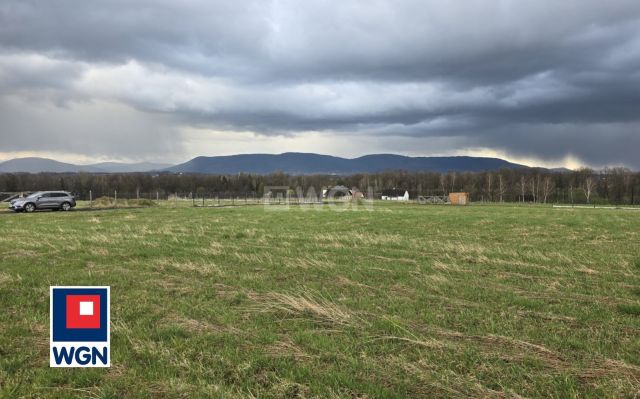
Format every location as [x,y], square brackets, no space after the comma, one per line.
[29,207]
[66,206]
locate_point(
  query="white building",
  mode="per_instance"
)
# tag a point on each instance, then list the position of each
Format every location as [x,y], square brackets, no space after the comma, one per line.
[395,195]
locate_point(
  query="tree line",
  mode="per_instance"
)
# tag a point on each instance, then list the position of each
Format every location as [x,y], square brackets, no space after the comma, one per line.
[608,186]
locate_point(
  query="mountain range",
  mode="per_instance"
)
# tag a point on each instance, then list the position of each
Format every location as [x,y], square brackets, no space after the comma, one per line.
[290,163]
[304,163]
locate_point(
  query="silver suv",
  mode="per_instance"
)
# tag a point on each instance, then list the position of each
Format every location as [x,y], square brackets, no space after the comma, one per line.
[56,200]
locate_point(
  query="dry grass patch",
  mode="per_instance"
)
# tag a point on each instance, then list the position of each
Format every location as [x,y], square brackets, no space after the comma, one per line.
[393,260]
[20,253]
[546,316]
[173,285]
[434,382]
[367,238]
[261,258]
[39,331]
[321,309]
[99,251]
[329,240]
[111,238]
[342,280]
[516,350]
[187,266]
[586,270]
[436,278]
[520,263]
[429,343]
[6,278]
[198,326]
[214,249]
[287,348]
[459,248]
[612,368]
[284,388]
[447,265]
[308,262]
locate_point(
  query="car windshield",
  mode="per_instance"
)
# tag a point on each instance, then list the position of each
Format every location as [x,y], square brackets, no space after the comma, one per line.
[34,194]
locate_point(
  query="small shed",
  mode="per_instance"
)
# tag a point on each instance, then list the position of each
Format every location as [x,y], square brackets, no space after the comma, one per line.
[459,198]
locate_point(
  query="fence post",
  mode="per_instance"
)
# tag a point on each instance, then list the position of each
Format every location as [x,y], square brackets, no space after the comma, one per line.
[90,199]
[115,197]
[176,197]
[157,196]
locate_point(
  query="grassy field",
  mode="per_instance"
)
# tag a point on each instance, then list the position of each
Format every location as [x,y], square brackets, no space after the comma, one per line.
[401,301]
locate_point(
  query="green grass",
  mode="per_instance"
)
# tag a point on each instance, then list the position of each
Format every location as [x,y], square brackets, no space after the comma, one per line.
[403,301]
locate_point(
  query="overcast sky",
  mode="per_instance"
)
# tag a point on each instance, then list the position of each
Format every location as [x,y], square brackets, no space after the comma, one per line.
[542,82]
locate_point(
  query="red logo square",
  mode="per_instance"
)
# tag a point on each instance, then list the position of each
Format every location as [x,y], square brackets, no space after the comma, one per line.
[83,311]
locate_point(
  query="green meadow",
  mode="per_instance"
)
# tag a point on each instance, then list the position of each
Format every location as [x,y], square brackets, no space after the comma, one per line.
[399,301]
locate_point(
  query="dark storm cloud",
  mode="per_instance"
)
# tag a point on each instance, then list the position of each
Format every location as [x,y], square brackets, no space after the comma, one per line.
[542,79]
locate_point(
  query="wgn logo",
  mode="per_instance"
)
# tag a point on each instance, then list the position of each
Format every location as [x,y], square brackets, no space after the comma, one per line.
[79,327]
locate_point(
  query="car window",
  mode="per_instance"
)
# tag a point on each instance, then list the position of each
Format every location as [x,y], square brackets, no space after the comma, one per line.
[45,195]
[34,195]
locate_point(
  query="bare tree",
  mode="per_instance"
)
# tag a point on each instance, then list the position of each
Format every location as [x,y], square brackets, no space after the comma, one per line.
[489,188]
[628,183]
[534,190]
[588,186]
[453,181]
[443,179]
[502,188]
[522,186]
[547,188]
[571,192]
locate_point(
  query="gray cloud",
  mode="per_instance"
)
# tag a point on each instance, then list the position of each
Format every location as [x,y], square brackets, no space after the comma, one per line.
[538,79]
[93,128]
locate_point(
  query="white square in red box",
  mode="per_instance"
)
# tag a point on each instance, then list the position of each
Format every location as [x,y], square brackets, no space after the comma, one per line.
[83,311]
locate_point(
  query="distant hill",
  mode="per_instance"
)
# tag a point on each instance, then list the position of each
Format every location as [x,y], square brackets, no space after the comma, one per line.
[303,163]
[37,165]
[119,167]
